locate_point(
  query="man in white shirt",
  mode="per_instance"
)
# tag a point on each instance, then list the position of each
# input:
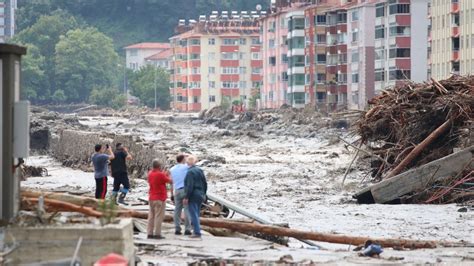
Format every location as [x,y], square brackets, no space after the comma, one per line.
[178,174]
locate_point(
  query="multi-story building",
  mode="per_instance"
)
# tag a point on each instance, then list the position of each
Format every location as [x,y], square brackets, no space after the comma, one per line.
[216,60]
[401,48]
[451,38]
[160,59]
[136,54]
[7,19]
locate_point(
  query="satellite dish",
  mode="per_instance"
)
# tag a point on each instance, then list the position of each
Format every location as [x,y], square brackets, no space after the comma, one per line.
[258,7]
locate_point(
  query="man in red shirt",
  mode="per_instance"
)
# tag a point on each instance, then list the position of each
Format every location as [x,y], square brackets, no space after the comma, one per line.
[157,180]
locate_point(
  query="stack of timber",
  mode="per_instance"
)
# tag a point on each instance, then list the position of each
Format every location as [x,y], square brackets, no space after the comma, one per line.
[426,128]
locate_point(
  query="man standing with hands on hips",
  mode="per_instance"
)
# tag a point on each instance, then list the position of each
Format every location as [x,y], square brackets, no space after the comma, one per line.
[195,187]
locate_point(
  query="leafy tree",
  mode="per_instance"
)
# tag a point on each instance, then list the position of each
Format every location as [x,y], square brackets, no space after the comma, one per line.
[143,84]
[33,81]
[85,58]
[59,96]
[107,96]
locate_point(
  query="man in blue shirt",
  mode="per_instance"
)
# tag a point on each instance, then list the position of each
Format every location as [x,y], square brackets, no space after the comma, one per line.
[101,169]
[178,173]
[195,188]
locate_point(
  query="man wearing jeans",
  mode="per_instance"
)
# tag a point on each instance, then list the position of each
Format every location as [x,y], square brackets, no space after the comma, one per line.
[195,187]
[178,173]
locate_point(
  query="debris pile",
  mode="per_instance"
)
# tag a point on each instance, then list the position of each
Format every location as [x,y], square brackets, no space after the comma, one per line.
[414,124]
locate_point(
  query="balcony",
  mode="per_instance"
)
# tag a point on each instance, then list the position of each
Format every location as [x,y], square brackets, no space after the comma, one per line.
[455,56]
[455,31]
[455,7]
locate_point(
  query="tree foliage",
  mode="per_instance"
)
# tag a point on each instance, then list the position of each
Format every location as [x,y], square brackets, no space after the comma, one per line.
[85,58]
[143,82]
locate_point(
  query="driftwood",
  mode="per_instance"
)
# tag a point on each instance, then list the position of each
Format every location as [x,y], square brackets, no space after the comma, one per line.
[57,205]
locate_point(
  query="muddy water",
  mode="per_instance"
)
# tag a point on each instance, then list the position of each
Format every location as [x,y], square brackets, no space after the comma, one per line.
[282,178]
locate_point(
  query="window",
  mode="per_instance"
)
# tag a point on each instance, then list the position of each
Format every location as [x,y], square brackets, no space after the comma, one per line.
[399,9]
[230,42]
[399,52]
[307,79]
[296,43]
[211,70]
[212,98]
[284,58]
[355,36]
[355,77]
[256,84]
[306,60]
[230,70]
[341,18]
[211,56]
[271,43]
[298,23]
[255,41]
[298,97]
[284,40]
[195,70]
[194,42]
[399,31]
[271,26]
[398,74]
[321,38]
[272,60]
[321,78]
[230,56]
[271,78]
[379,74]
[306,22]
[297,61]
[195,99]
[379,32]
[243,41]
[242,70]
[355,56]
[256,70]
[194,56]
[243,84]
[297,79]
[211,41]
[321,58]
[241,55]
[284,76]
[270,95]
[212,84]
[229,84]
[194,85]
[320,20]
[355,15]
[255,56]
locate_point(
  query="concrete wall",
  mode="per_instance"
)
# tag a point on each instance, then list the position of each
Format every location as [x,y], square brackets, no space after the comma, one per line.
[74,149]
[40,244]
[419,44]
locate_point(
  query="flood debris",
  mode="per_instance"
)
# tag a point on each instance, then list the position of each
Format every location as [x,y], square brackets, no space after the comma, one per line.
[33,171]
[411,126]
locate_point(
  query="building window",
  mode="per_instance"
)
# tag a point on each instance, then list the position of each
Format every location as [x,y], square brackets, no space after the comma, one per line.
[297,61]
[230,56]
[212,41]
[380,74]
[272,60]
[379,32]
[195,70]
[194,42]
[255,56]
[355,77]
[284,76]
[229,84]
[399,9]
[321,38]
[398,74]
[355,15]
[297,43]
[306,22]
[230,42]
[194,56]
[380,10]
[307,79]
[355,56]
[321,78]
[212,84]
[243,41]
[242,70]
[341,18]
[320,20]
[212,98]
[271,43]
[321,58]
[399,52]
[284,58]
[242,84]
[212,70]
[355,36]
[195,99]
[230,70]
[272,78]
[194,85]
[133,52]
[256,70]
[399,31]
[297,79]
[255,41]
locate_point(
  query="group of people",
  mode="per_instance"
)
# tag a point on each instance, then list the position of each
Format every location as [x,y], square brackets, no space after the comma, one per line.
[189,188]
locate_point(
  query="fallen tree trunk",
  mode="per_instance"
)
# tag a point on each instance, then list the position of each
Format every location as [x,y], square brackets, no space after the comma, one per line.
[419,148]
[56,205]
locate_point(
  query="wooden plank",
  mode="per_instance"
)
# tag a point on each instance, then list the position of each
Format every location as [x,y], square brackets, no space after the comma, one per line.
[419,178]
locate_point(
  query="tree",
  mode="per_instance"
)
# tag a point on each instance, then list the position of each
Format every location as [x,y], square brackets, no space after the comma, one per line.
[85,58]
[59,97]
[33,81]
[143,83]
[107,96]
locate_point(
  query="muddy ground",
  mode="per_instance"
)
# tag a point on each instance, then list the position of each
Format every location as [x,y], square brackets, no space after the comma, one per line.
[282,175]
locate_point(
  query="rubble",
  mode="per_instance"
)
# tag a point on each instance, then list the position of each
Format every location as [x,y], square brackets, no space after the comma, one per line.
[414,124]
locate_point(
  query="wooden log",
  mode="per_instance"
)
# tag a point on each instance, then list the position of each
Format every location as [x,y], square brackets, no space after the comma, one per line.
[77,200]
[252,227]
[419,148]
[417,179]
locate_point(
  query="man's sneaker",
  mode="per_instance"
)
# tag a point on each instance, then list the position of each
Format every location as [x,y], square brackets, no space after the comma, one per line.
[121,198]
[187,233]
[177,233]
[150,237]
[159,237]
[196,236]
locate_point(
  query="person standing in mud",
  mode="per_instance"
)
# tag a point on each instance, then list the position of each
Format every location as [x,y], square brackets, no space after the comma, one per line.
[101,169]
[195,187]
[119,172]
[178,173]
[157,180]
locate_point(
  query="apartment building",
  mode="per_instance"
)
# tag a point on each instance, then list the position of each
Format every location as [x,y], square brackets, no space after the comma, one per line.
[452,38]
[401,49]
[160,59]
[7,19]
[136,55]
[216,60]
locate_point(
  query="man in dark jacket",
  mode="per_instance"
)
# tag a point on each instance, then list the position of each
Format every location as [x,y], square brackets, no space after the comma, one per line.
[119,172]
[195,187]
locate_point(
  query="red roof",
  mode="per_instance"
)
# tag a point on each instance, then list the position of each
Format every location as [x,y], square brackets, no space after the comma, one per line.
[165,54]
[149,45]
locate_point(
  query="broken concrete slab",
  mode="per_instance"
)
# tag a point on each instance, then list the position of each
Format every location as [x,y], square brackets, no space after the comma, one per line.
[416,179]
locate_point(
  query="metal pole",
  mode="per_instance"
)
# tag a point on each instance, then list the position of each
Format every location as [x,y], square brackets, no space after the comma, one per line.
[125,84]
[155,85]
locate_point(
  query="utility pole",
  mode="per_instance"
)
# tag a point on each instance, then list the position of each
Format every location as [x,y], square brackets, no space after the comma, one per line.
[154,71]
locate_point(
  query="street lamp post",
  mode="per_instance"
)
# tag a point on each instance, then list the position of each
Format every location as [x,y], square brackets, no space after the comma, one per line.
[154,76]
